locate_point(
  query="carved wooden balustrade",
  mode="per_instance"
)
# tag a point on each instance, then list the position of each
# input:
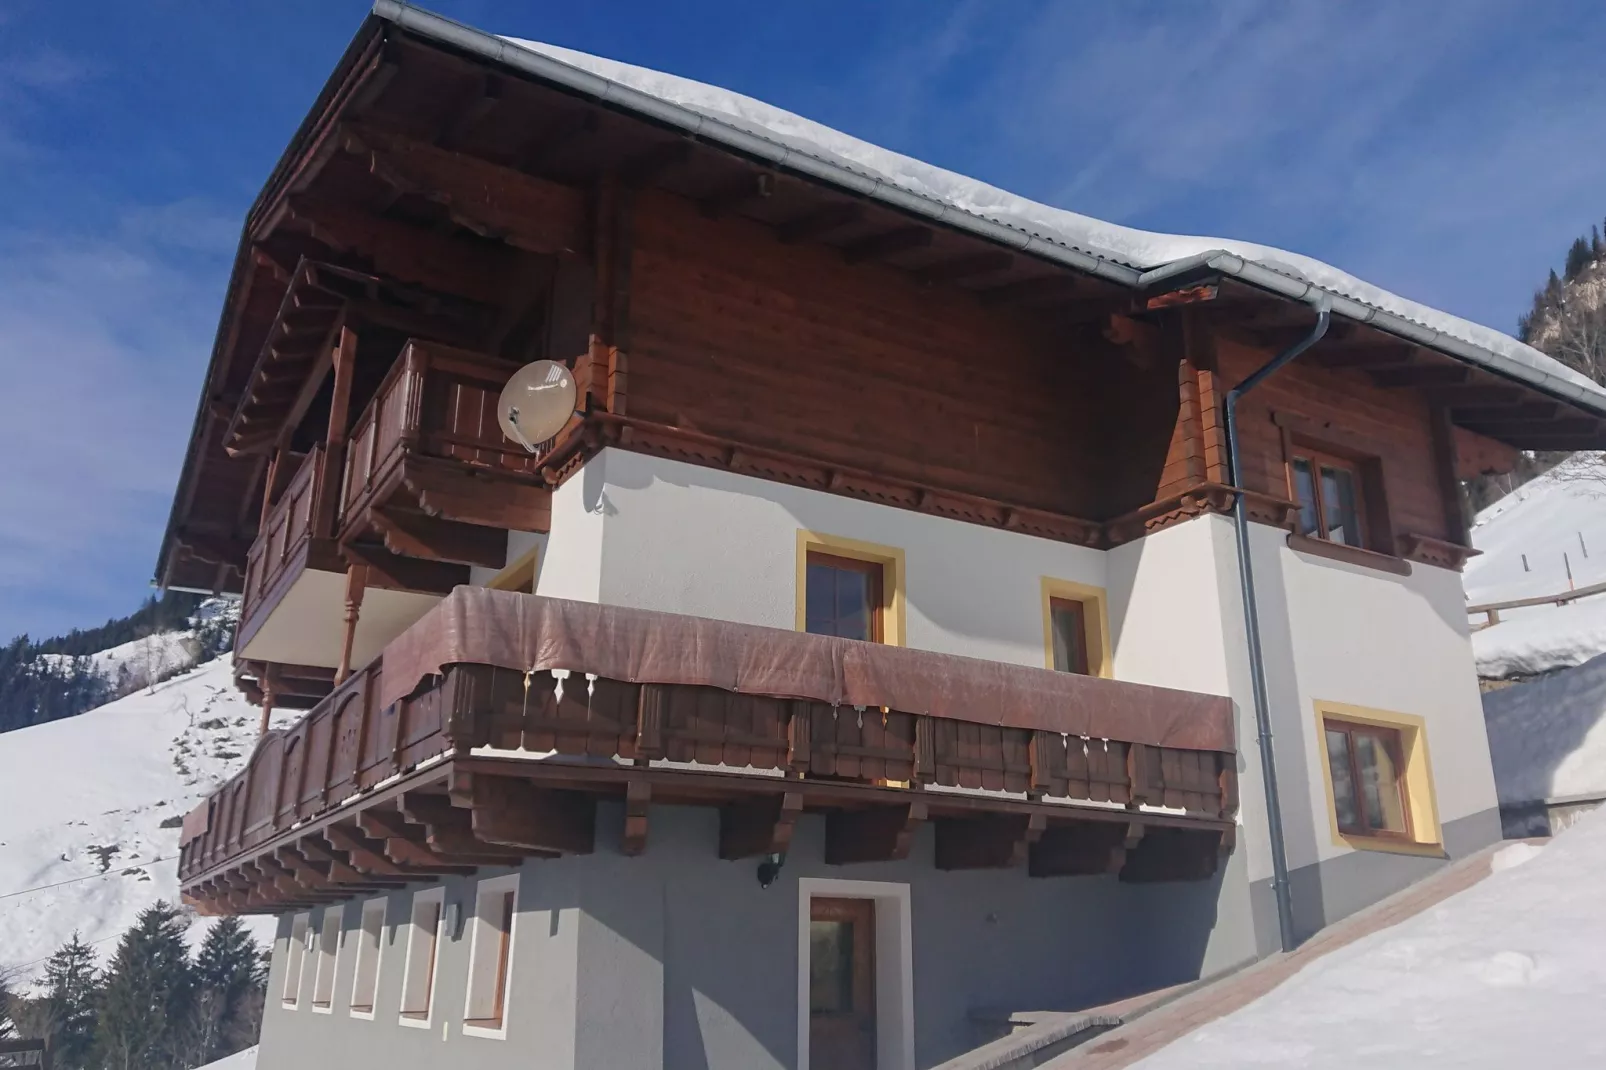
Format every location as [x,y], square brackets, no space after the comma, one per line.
[293,523]
[482,765]
[436,409]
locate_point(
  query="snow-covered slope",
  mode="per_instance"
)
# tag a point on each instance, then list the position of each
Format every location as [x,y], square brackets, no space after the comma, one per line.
[90,808]
[1548,737]
[1507,973]
[1530,540]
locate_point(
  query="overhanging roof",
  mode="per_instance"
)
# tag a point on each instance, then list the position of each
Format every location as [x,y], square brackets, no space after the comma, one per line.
[1135,258]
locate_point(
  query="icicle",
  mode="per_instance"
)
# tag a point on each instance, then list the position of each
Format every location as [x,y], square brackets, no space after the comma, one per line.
[559,675]
[859,710]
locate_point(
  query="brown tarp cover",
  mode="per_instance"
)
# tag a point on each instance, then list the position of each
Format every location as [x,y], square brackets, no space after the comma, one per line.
[479,626]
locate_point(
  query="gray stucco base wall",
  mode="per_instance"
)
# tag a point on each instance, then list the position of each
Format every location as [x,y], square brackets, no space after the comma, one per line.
[677,959]
[1330,891]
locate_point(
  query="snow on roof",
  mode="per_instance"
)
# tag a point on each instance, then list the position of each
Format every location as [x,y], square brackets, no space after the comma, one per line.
[1136,249]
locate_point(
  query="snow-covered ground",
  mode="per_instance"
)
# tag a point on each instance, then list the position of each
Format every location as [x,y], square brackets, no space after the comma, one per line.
[1547,537]
[140,660]
[1548,737]
[90,808]
[1510,972]
[245,1059]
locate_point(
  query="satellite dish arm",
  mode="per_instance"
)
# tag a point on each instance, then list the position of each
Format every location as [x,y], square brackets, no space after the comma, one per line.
[514,432]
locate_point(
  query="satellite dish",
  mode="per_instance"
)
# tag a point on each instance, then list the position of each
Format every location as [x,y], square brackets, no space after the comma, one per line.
[536,402]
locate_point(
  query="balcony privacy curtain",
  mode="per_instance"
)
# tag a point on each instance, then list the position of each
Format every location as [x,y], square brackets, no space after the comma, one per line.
[523,631]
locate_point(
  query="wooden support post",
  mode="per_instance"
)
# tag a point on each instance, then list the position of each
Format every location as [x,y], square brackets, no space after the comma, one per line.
[638,800]
[268,482]
[356,584]
[994,841]
[880,834]
[344,359]
[266,681]
[760,827]
[512,813]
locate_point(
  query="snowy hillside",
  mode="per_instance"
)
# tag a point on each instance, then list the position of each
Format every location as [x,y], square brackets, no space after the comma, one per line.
[90,808]
[1547,537]
[1507,973]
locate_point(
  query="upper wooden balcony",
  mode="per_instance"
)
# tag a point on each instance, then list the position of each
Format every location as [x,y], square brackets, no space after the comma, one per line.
[428,444]
[424,486]
[442,755]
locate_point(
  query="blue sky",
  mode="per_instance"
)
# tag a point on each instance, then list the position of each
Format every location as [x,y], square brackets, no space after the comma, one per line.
[1447,151]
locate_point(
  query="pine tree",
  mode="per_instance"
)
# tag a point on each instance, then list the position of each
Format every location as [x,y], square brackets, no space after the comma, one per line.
[1597,250]
[1578,258]
[8,1027]
[71,989]
[146,1007]
[230,979]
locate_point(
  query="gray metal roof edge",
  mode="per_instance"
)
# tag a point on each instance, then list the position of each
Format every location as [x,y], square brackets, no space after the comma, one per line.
[697,124]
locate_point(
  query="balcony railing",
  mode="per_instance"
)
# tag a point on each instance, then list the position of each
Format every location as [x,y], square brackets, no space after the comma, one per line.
[802,714]
[292,522]
[436,403]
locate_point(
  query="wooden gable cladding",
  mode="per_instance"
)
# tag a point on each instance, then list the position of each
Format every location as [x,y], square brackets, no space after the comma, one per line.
[788,347]
[1342,407]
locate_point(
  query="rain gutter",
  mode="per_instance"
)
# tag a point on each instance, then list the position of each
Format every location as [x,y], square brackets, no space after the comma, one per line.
[1246,581]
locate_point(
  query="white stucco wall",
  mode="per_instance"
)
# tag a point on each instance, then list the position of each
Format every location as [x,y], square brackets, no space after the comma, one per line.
[688,539]
[1344,633]
[659,534]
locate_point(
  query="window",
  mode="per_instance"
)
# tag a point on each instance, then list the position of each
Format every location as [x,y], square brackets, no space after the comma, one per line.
[849,588]
[1075,628]
[1379,782]
[369,944]
[423,934]
[1068,631]
[323,985]
[1329,492]
[294,957]
[843,597]
[490,952]
[1367,767]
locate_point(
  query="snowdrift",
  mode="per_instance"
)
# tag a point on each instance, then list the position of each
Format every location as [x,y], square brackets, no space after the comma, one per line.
[1548,737]
[1507,973]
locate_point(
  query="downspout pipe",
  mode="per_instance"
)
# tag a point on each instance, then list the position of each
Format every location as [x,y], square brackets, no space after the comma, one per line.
[1257,661]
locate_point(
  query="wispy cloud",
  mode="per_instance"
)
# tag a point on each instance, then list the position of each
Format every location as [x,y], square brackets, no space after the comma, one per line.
[1445,151]
[103,328]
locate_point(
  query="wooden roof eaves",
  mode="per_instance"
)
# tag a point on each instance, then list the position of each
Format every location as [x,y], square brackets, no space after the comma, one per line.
[358,63]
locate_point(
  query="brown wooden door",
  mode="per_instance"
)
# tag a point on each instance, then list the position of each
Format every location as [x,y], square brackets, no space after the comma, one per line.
[842,984]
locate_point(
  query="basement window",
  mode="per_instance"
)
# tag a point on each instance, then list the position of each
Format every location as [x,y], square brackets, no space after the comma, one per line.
[490,954]
[423,938]
[323,985]
[295,958]
[369,945]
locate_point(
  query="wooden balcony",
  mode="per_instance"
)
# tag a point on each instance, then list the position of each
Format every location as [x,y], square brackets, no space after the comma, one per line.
[386,782]
[295,538]
[429,474]
[425,486]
